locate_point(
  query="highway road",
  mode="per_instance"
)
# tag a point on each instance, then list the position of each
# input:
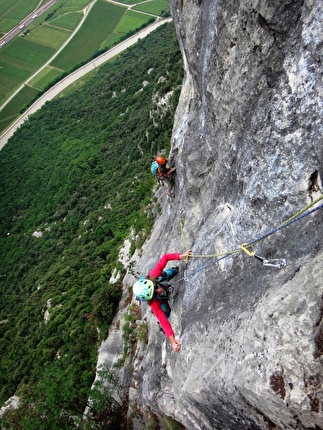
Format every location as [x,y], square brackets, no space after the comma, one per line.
[25,22]
[77,74]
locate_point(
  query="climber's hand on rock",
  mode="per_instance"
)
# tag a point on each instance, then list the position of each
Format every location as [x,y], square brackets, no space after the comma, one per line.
[176,345]
[186,254]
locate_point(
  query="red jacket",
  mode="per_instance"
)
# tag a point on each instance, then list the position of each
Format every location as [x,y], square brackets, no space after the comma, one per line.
[156,303]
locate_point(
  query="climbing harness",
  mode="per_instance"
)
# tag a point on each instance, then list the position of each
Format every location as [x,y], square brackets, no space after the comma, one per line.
[163,282]
[167,291]
[160,180]
[278,263]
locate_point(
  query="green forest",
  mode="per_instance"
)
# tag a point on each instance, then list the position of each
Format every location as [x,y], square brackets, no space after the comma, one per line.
[74,179]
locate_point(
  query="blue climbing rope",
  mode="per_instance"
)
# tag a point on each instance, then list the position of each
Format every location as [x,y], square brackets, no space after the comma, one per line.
[265,235]
[285,225]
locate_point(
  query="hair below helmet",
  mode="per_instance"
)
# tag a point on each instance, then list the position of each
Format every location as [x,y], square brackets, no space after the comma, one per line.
[143,289]
[160,160]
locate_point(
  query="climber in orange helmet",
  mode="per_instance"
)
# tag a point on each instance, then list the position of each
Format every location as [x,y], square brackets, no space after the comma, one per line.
[166,173]
[161,160]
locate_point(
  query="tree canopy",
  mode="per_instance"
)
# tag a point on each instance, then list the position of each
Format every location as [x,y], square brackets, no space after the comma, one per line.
[74,179]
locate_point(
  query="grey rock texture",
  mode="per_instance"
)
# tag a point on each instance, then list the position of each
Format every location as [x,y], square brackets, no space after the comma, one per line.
[247,143]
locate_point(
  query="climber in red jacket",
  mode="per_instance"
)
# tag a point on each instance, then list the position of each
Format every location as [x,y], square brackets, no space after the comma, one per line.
[149,289]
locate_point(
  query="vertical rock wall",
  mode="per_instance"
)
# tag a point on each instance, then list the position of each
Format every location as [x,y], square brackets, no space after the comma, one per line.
[247,143]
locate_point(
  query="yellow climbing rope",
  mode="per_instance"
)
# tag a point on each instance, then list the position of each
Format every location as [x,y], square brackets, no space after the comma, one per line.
[278,263]
[302,211]
[181,223]
[244,246]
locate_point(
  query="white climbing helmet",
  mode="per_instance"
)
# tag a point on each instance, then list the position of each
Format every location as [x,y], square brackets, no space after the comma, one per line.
[143,289]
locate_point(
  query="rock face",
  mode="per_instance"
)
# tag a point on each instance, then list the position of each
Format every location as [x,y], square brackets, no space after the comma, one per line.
[247,143]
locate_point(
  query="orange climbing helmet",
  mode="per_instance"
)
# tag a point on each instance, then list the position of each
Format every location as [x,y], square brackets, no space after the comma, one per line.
[161,160]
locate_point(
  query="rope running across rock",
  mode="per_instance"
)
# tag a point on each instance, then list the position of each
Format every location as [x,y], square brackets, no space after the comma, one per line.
[297,217]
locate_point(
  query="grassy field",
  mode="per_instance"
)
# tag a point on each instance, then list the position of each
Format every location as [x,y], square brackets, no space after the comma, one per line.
[68,21]
[131,21]
[48,36]
[100,23]
[20,59]
[11,76]
[12,11]
[105,25]
[10,112]
[45,77]
[70,6]
[156,7]
[129,2]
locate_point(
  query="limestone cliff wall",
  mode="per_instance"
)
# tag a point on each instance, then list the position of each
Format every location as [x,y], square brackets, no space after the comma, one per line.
[247,143]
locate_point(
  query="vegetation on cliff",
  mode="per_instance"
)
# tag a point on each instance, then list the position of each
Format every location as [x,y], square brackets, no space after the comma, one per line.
[73,181]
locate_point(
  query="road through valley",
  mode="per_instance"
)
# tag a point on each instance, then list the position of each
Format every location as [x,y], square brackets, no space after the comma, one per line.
[77,74]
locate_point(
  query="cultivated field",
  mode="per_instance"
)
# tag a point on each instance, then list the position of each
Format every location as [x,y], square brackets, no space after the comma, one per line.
[13,11]
[155,7]
[10,112]
[129,23]
[99,25]
[104,25]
